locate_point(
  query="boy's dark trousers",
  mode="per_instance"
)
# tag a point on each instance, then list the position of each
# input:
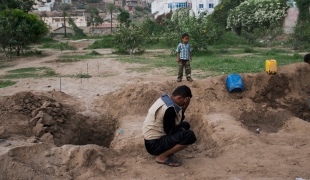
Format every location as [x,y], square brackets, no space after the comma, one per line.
[186,64]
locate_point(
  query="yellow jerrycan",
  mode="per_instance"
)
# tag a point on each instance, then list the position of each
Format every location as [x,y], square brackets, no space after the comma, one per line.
[271,66]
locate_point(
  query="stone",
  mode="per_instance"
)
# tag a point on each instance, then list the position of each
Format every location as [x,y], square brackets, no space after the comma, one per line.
[47,138]
[3,133]
[34,112]
[38,130]
[33,121]
[48,120]
[46,104]
[32,139]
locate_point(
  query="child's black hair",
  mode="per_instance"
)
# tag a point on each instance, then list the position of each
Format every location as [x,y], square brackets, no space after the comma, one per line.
[183,91]
[307,58]
[184,35]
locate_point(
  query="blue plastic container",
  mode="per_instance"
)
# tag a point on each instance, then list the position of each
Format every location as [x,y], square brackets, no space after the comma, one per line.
[234,83]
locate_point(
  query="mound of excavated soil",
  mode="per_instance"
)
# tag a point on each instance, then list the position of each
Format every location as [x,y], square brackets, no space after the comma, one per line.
[42,118]
[261,132]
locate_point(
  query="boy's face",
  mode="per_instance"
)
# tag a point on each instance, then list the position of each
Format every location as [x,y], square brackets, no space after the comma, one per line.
[185,39]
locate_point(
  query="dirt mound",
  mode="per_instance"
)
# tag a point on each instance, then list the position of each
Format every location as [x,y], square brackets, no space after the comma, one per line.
[42,118]
[266,103]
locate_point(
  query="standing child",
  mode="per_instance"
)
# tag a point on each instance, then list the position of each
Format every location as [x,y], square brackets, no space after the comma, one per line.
[184,56]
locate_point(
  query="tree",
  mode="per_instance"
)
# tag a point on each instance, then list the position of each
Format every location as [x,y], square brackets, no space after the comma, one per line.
[221,11]
[130,39]
[77,31]
[24,5]
[93,19]
[124,17]
[19,29]
[110,9]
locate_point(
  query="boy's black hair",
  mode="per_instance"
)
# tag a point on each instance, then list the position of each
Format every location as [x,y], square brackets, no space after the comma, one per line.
[184,35]
[183,91]
[307,58]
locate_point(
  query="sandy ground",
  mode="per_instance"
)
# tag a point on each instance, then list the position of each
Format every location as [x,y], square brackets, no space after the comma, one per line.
[92,129]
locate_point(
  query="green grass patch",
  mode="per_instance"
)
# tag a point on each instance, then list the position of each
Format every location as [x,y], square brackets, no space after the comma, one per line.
[216,63]
[60,46]
[94,53]
[5,65]
[83,75]
[4,84]
[67,60]
[75,58]
[105,42]
[47,40]
[31,72]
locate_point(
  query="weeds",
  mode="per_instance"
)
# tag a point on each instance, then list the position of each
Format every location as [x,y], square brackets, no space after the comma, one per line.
[31,72]
[4,84]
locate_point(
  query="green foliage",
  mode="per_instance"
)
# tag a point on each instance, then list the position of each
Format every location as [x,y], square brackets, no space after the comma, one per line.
[93,19]
[83,75]
[213,63]
[304,15]
[230,39]
[138,8]
[301,34]
[60,46]
[106,42]
[77,31]
[248,50]
[94,53]
[221,11]
[256,13]
[4,84]
[199,31]
[130,39]
[110,8]
[19,29]
[124,17]
[152,28]
[31,72]
[300,37]
[24,5]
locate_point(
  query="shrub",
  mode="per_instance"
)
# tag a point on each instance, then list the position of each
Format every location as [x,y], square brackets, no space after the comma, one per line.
[256,13]
[248,50]
[105,42]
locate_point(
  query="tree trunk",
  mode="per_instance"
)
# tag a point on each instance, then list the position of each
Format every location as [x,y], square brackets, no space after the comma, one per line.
[111,22]
[65,24]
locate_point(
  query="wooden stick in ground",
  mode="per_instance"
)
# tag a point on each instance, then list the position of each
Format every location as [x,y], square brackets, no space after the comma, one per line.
[60,84]
[87,73]
[98,66]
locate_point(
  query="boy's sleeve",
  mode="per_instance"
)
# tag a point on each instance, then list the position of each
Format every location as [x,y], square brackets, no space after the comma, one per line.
[190,48]
[178,48]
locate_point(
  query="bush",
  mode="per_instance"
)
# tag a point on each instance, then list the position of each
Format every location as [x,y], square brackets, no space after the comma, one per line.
[248,50]
[130,39]
[105,42]
[138,8]
[252,13]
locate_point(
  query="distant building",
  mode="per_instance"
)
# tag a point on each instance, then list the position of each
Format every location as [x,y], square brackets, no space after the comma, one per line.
[56,22]
[160,7]
[44,5]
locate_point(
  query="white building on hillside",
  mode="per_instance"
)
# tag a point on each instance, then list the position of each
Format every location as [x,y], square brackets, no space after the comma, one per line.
[44,5]
[160,7]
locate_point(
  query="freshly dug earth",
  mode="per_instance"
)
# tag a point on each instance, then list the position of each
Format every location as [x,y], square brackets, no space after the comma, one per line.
[260,133]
